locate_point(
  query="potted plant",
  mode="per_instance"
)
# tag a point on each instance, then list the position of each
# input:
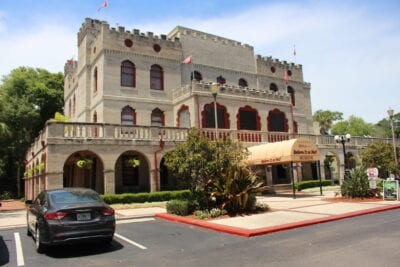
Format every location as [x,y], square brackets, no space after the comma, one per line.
[132,162]
[84,163]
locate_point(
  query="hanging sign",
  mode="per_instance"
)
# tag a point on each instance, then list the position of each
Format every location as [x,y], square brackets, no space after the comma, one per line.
[390,189]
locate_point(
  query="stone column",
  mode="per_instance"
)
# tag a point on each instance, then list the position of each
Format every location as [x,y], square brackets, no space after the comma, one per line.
[109,182]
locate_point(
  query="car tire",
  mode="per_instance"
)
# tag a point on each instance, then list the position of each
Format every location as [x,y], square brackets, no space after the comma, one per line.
[28,232]
[38,243]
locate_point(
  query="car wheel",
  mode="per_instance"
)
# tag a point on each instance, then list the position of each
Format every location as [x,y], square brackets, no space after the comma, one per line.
[38,243]
[28,233]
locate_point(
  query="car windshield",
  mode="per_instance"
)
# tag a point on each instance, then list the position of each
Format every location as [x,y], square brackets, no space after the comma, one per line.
[74,197]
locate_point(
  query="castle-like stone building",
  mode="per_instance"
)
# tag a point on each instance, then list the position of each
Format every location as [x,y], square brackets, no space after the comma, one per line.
[132,95]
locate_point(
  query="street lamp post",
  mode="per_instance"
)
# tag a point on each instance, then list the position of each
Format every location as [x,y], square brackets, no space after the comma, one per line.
[214,88]
[343,139]
[391,118]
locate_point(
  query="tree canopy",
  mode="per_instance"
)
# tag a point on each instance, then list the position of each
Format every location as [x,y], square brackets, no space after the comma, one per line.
[355,126]
[28,98]
[325,118]
[382,155]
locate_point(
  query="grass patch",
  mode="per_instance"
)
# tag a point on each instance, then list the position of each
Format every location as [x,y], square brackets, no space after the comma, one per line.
[161,204]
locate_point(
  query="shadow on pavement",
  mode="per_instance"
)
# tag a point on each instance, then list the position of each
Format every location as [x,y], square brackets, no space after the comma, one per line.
[4,253]
[82,250]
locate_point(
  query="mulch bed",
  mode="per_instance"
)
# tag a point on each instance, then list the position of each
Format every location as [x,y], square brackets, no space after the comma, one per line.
[10,205]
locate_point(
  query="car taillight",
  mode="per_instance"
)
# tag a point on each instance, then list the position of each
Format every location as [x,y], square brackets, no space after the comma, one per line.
[54,215]
[107,211]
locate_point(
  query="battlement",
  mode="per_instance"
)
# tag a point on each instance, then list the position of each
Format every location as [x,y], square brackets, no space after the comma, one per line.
[178,31]
[95,26]
[70,67]
[269,61]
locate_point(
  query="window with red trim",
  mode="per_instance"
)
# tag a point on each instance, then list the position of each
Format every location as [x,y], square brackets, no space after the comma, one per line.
[183,120]
[208,117]
[156,78]
[277,121]
[157,117]
[248,119]
[128,74]
[128,116]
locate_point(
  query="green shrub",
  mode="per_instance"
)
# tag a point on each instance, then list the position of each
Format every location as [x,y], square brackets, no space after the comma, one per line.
[178,207]
[356,185]
[201,214]
[127,198]
[310,184]
[5,195]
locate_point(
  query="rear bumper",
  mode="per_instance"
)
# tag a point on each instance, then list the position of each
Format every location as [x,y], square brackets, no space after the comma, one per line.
[75,233]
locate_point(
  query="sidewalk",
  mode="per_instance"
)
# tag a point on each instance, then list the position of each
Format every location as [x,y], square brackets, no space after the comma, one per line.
[285,213]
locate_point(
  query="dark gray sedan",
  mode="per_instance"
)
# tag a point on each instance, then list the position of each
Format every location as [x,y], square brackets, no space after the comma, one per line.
[69,215]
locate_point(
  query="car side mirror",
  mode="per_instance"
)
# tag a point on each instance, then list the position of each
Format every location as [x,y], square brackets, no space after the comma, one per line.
[28,202]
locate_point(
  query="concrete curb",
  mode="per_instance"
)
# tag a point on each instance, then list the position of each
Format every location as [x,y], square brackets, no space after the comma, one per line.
[268,230]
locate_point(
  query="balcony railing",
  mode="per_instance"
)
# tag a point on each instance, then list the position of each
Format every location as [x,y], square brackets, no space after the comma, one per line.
[93,131]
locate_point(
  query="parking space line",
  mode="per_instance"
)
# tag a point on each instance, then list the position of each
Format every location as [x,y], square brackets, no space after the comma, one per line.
[135,220]
[130,241]
[20,253]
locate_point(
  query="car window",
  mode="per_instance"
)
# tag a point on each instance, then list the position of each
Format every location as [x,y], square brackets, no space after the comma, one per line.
[74,197]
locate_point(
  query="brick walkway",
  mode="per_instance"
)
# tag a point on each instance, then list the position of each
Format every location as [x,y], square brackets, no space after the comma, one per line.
[9,205]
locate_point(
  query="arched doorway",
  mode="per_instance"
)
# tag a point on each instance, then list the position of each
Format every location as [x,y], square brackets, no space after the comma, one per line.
[84,169]
[132,173]
[331,167]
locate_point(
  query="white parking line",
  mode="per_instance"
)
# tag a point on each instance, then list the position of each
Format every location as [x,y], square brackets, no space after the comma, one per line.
[18,246]
[130,241]
[135,220]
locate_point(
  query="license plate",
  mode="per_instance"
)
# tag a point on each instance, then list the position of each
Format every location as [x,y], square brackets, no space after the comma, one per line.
[83,216]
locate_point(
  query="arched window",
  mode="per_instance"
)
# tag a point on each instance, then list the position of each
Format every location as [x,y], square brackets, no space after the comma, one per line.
[290,90]
[128,116]
[156,78]
[128,74]
[183,120]
[95,77]
[221,80]
[243,83]
[197,76]
[157,117]
[273,87]
[208,116]
[277,121]
[248,119]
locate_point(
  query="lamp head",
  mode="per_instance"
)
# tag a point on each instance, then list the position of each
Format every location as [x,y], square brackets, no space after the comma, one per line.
[214,88]
[337,138]
[348,137]
[390,112]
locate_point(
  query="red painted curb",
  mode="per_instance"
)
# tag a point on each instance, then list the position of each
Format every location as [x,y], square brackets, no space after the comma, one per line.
[272,229]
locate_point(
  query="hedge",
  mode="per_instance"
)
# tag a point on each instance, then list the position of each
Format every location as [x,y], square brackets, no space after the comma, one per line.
[309,184]
[127,198]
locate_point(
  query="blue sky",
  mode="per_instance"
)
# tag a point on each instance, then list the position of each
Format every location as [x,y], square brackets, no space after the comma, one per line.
[349,49]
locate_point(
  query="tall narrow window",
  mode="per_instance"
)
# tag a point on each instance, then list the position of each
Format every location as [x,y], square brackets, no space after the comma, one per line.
[157,117]
[128,74]
[156,78]
[128,116]
[69,108]
[95,129]
[95,116]
[183,117]
[95,77]
[197,76]
[291,93]
[73,106]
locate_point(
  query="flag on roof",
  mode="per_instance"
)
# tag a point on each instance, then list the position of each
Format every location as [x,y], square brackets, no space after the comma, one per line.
[187,60]
[294,50]
[104,4]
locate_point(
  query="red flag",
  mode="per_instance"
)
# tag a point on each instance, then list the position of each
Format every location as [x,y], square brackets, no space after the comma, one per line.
[286,77]
[70,61]
[104,4]
[187,60]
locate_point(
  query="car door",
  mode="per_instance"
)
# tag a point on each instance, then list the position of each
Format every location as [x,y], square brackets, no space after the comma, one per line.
[35,210]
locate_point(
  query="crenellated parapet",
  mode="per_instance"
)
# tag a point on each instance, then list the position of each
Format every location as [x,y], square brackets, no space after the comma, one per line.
[179,31]
[270,66]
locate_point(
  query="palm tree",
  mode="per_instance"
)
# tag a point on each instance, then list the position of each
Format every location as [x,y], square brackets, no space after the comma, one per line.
[325,118]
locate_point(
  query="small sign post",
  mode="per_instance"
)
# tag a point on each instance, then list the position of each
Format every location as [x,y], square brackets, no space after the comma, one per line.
[390,189]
